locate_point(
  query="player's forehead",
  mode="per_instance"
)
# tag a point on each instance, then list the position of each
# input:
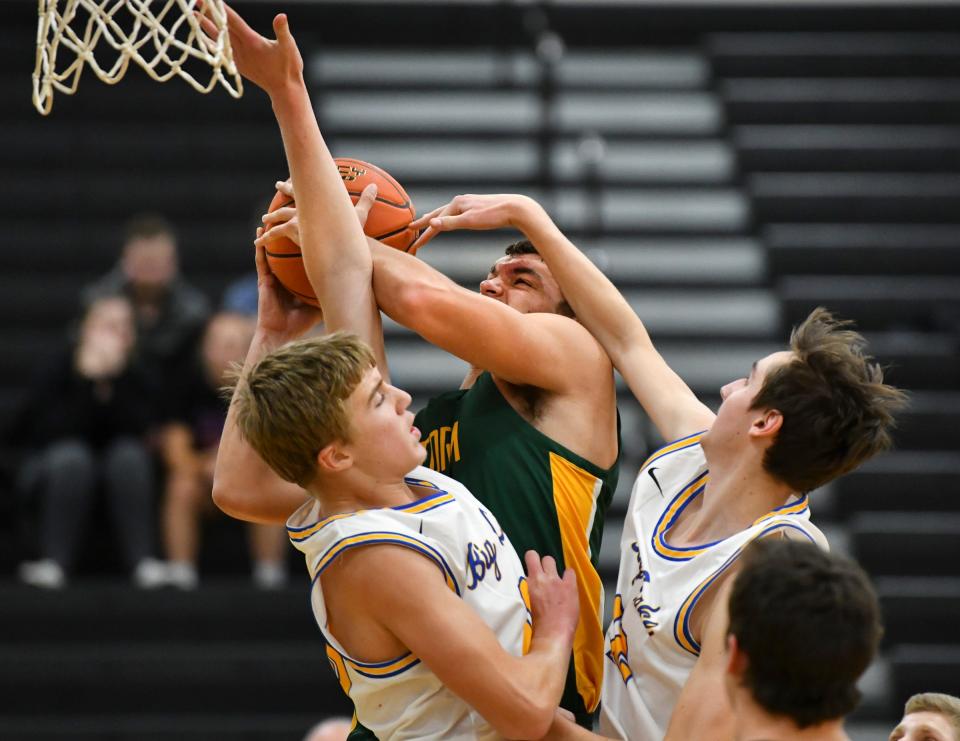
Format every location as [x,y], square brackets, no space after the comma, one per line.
[509,264]
[769,362]
[924,724]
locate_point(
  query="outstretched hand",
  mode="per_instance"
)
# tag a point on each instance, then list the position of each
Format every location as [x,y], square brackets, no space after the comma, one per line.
[284,223]
[268,63]
[479,212]
[279,314]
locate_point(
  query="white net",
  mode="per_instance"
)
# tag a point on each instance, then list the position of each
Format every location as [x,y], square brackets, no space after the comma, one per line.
[162,36]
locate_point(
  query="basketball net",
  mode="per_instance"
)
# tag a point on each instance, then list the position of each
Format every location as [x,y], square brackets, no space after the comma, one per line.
[162,36]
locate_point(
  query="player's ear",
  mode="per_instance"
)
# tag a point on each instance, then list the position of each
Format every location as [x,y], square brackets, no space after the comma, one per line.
[766,424]
[334,457]
[736,658]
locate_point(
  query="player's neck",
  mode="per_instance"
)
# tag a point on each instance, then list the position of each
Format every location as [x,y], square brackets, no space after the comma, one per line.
[353,491]
[755,724]
[738,492]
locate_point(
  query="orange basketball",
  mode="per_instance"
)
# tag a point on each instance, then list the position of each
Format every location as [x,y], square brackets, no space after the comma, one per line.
[389,222]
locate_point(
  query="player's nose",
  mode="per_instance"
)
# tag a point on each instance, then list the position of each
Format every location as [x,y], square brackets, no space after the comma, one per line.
[491,287]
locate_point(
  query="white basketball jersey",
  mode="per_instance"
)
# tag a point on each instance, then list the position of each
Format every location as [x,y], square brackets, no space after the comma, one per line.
[650,649]
[402,698]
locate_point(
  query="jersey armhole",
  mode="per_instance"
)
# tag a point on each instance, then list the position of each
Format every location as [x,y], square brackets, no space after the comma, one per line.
[682,632]
[383,537]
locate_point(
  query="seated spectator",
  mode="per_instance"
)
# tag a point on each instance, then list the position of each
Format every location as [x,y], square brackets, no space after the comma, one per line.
[929,717]
[85,423]
[190,440]
[803,626]
[169,312]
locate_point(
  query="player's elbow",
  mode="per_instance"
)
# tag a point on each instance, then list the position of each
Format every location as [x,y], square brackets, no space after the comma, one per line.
[529,717]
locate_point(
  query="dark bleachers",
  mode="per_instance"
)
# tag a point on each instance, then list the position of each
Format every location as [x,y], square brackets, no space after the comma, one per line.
[916,668]
[907,543]
[851,249]
[849,145]
[907,603]
[905,480]
[87,661]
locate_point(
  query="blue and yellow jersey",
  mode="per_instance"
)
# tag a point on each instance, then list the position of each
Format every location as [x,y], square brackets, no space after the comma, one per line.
[401,697]
[650,648]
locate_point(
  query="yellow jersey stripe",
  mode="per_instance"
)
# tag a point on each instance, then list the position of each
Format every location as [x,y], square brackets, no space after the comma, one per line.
[574,495]
[384,669]
[684,442]
[681,626]
[419,506]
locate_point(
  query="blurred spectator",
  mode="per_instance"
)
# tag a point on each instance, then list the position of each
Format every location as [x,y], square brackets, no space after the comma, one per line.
[85,422]
[197,412]
[169,312]
[929,717]
[240,297]
[334,729]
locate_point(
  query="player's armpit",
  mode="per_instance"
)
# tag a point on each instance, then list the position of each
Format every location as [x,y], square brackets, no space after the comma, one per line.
[410,598]
[544,350]
[702,711]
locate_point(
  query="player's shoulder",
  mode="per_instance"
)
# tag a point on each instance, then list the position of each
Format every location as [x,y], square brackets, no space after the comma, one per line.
[682,454]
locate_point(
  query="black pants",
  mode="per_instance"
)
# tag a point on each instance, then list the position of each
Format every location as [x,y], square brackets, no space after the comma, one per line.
[67,475]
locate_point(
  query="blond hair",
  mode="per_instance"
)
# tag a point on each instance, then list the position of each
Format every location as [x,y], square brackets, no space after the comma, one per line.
[292,403]
[935,702]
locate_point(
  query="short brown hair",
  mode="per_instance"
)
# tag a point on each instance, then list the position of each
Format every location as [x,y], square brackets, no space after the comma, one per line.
[809,623]
[935,702]
[837,411]
[291,404]
[525,247]
[148,226]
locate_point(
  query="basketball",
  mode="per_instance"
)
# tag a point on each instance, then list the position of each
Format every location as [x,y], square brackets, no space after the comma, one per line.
[388,222]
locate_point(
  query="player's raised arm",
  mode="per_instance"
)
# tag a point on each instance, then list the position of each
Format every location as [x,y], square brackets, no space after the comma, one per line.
[335,255]
[244,486]
[545,350]
[598,305]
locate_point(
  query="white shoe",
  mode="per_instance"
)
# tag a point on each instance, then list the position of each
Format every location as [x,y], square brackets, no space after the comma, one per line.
[150,574]
[182,575]
[269,575]
[46,574]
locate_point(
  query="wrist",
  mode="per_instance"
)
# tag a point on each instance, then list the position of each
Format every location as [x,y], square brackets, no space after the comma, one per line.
[527,215]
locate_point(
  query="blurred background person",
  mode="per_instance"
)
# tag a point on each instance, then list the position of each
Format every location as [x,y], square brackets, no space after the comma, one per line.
[85,423]
[169,312]
[929,716]
[191,435]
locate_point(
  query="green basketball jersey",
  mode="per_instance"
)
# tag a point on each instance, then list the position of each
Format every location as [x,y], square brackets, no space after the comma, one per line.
[546,497]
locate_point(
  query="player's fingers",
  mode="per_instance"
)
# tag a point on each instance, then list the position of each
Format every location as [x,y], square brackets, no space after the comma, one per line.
[549,566]
[285,187]
[365,202]
[452,222]
[263,268]
[424,219]
[281,27]
[279,216]
[532,560]
[425,236]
